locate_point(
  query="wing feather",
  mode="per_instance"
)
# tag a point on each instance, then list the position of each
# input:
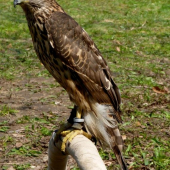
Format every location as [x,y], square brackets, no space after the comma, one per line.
[78,52]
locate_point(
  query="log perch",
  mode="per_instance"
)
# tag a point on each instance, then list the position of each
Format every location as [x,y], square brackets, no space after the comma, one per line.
[81,149]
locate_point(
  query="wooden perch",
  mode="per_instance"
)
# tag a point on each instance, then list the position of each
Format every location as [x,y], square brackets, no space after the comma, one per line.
[81,149]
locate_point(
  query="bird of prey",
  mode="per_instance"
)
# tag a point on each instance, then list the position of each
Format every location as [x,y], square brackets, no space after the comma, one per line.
[72,58]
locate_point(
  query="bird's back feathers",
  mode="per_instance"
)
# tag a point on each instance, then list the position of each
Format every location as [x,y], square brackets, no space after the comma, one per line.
[78,52]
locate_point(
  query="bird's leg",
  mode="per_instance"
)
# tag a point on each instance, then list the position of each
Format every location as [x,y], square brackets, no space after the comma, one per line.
[66,126]
[74,131]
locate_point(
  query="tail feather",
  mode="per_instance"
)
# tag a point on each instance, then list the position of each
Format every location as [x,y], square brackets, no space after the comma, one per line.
[117,147]
[101,124]
[120,158]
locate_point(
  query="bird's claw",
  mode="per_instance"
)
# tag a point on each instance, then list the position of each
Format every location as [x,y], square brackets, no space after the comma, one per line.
[57,132]
[70,134]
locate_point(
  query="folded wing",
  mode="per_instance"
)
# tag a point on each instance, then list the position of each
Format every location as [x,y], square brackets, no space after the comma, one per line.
[78,52]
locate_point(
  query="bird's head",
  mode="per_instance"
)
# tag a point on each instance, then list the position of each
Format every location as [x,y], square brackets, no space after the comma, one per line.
[30,6]
[37,3]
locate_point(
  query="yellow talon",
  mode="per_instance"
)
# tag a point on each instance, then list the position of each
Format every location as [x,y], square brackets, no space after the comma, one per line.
[69,137]
[62,129]
[87,135]
[64,133]
[69,133]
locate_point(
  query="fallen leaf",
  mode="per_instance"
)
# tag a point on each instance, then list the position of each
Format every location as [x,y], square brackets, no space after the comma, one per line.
[116,42]
[45,159]
[11,168]
[38,168]
[32,166]
[9,46]
[24,141]
[57,102]
[118,49]
[124,137]
[166,89]
[18,144]
[156,89]
[18,135]
[165,60]
[145,104]
[143,126]
[108,163]
[137,123]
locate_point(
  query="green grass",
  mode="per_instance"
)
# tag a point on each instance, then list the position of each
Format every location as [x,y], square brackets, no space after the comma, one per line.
[134,38]
[5,110]
[18,167]
[24,150]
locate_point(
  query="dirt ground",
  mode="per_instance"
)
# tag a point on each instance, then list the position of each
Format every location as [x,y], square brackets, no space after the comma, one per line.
[39,103]
[28,101]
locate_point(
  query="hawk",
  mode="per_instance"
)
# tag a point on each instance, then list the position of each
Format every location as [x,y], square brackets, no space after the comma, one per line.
[72,58]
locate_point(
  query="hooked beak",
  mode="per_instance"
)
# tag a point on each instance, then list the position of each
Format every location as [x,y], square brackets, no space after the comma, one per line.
[16,2]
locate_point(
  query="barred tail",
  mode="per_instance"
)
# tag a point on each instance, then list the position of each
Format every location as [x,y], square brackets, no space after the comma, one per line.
[101,124]
[120,158]
[117,147]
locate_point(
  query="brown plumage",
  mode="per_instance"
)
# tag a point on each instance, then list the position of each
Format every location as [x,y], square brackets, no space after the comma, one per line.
[73,59]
